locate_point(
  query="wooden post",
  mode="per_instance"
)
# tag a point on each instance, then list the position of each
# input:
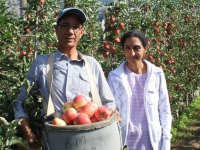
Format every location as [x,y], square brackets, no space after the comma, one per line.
[22,4]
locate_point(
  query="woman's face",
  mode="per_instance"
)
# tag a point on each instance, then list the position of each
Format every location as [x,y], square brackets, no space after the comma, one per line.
[134,50]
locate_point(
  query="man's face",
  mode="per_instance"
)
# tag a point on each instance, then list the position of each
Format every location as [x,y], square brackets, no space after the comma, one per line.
[69,31]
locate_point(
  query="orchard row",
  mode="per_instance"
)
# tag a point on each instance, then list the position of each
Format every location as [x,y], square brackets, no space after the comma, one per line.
[172,27]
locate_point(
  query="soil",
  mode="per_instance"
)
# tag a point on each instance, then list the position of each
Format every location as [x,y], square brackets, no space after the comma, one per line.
[189,143]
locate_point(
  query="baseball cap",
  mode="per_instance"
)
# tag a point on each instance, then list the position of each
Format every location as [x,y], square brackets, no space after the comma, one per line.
[76,11]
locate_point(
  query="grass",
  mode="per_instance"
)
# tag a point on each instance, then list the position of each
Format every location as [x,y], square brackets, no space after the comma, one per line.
[184,126]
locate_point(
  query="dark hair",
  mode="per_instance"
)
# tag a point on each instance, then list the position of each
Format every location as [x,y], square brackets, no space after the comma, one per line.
[134,33]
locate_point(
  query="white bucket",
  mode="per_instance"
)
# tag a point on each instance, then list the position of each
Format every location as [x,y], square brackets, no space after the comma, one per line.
[103,135]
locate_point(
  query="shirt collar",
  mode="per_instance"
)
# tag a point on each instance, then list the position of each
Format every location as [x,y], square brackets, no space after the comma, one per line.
[59,54]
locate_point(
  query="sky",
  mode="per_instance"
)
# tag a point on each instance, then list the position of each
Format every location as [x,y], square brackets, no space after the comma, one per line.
[14,6]
[101,10]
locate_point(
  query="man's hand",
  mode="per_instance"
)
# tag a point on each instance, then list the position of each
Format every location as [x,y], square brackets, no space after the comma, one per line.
[29,136]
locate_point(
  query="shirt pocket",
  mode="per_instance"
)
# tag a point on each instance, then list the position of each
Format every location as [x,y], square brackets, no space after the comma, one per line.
[60,76]
[82,83]
[153,92]
[156,132]
[118,89]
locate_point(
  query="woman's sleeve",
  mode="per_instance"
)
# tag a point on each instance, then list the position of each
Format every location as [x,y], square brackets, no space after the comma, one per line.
[165,113]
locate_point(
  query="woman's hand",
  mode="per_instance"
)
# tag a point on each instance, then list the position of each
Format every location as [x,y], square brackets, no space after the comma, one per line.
[117,113]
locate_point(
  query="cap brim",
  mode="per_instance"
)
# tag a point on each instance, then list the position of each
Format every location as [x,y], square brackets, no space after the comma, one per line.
[76,11]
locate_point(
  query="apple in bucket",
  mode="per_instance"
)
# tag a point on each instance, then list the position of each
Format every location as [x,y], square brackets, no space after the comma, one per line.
[94,119]
[69,115]
[58,121]
[79,101]
[89,109]
[82,118]
[103,113]
[67,105]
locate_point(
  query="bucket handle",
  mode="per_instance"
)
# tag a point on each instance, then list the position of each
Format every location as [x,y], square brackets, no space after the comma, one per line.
[120,134]
[45,141]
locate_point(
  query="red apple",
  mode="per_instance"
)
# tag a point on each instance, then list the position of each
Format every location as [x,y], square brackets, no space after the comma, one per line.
[165,24]
[121,24]
[58,121]
[164,54]
[159,14]
[155,40]
[156,24]
[56,11]
[105,54]
[103,113]
[23,53]
[116,31]
[112,49]
[67,105]
[42,1]
[27,30]
[82,118]
[29,48]
[43,16]
[94,119]
[106,46]
[28,16]
[150,58]
[69,115]
[156,30]
[93,104]
[112,19]
[109,25]
[79,101]
[89,109]
[145,9]
[116,40]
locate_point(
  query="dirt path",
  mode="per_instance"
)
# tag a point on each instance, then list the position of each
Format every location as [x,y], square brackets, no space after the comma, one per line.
[191,142]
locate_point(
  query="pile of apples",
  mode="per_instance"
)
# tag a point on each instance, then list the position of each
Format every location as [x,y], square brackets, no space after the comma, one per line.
[81,111]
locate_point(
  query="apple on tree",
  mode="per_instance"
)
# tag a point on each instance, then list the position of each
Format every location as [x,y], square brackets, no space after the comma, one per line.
[105,54]
[116,40]
[121,24]
[106,46]
[27,30]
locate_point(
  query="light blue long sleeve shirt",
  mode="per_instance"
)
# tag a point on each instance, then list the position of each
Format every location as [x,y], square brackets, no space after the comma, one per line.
[70,78]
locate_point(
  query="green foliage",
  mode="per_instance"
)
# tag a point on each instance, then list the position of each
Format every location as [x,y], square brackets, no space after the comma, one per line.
[182,127]
[8,132]
[172,28]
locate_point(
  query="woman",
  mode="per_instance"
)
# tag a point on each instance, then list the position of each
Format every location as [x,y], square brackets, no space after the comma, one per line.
[141,95]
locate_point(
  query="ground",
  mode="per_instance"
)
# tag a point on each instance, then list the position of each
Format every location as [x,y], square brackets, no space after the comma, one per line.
[189,142]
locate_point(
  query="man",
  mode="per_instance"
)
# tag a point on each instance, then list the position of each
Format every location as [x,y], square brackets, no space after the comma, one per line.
[70,77]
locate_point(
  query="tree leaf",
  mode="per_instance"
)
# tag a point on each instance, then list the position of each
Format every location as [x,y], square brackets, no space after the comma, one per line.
[10,132]
[14,140]
[3,121]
